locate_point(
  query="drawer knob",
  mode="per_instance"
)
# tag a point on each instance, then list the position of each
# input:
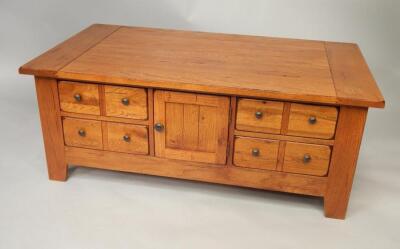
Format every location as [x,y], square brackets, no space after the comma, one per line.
[255,152]
[306,158]
[258,115]
[78,97]
[125,101]
[312,120]
[126,138]
[82,133]
[159,127]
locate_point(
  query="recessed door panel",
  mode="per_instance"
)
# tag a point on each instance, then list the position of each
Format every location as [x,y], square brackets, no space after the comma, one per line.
[191,126]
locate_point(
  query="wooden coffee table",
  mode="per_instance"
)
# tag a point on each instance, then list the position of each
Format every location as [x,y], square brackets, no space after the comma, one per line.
[268,113]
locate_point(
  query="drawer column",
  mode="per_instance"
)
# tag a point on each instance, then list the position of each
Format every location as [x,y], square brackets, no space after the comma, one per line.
[349,133]
[47,95]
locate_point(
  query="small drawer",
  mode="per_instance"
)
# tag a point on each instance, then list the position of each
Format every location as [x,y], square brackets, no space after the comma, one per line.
[255,153]
[127,138]
[307,159]
[126,102]
[259,115]
[79,97]
[312,121]
[83,133]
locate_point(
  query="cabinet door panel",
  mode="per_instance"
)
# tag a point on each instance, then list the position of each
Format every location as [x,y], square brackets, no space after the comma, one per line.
[174,119]
[195,126]
[207,124]
[190,138]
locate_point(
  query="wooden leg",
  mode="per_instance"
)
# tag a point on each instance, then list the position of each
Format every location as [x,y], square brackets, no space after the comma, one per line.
[47,95]
[349,133]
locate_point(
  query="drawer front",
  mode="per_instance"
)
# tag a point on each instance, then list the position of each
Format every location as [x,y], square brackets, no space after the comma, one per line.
[127,138]
[126,102]
[82,133]
[79,97]
[307,159]
[312,121]
[259,115]
[255,153]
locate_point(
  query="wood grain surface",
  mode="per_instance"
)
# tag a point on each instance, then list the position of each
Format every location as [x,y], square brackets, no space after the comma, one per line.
[273,67]
[253,66]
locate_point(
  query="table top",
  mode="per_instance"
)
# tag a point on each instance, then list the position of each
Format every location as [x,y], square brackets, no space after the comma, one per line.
[253,66]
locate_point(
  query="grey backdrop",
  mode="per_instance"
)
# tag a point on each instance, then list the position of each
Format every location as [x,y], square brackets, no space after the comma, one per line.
[102,209]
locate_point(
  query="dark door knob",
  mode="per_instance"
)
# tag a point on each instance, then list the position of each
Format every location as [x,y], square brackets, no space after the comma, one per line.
[159,127]
[126,138]
[255,152]
[125,101]
[306,158]
[78,97]
[312,120]
[82,133]
[258,115]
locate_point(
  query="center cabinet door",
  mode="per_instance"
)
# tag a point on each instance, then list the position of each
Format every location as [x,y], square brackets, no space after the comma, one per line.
[191,126]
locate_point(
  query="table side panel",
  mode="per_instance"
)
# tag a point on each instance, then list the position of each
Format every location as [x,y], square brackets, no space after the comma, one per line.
[261,179]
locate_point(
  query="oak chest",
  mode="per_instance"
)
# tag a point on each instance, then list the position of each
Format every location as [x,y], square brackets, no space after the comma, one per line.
[269,113]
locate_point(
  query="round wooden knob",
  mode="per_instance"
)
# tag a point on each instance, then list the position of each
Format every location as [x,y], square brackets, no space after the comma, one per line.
[255,152]
[82,132]
[159,127]
[312,120]
[125,101]
[126,138]
[306,158]
[78,97]
[258,115]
